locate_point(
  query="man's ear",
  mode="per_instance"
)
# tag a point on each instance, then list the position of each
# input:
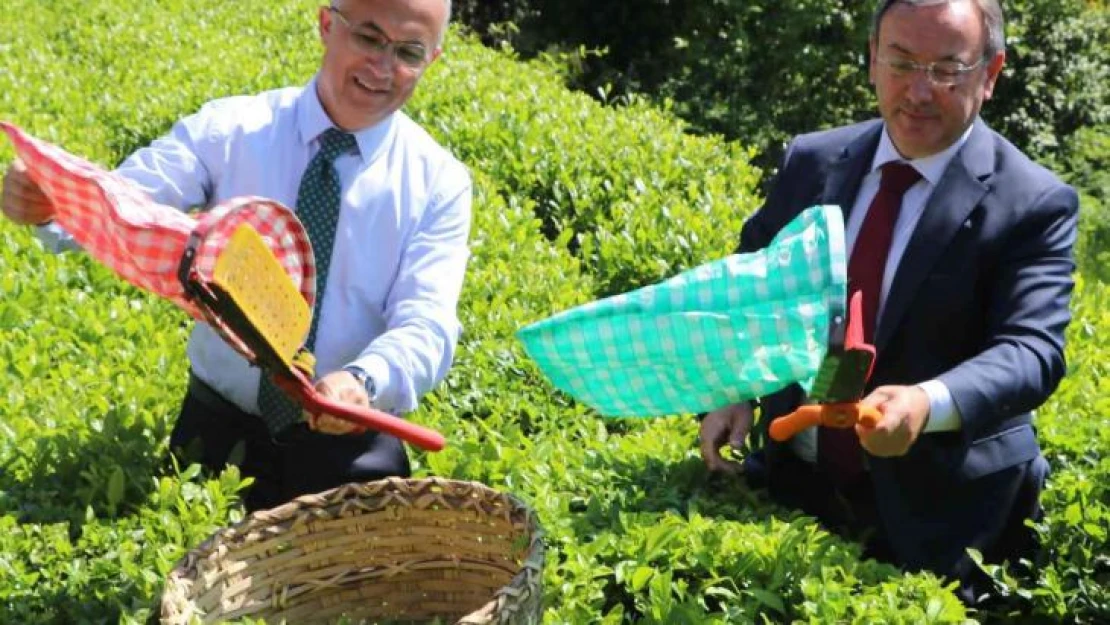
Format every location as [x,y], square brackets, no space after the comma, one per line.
[323,22]
[871,46]
[994,70]
[435,55]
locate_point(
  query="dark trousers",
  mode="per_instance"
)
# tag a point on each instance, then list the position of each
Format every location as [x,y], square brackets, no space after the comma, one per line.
[851,511]
[214,432]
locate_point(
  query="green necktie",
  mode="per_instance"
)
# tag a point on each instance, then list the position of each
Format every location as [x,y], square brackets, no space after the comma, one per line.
[318,208]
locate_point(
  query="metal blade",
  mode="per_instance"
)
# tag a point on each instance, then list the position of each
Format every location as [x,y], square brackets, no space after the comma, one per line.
[842,376]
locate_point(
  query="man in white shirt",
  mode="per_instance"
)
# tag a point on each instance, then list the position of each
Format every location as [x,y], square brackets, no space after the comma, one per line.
[387,326]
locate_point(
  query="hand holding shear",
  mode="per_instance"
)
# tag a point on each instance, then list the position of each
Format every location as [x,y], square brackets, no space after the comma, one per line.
[840,382]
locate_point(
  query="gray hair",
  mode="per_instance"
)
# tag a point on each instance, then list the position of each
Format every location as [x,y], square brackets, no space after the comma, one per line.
[446,23]
[443,29]
[993,21]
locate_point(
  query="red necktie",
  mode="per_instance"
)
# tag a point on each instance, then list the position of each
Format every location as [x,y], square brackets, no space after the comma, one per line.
[838,450]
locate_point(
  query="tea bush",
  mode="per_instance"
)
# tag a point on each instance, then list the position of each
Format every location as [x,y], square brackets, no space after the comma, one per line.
[762,71]
[1087,163]
[573,200]
[602,180]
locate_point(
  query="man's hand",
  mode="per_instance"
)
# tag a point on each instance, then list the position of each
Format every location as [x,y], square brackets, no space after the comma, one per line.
[724,425]
[905,412]
[23,201]
[342,386]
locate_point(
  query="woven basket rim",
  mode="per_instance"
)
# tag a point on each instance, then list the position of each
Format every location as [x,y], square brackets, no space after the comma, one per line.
[295,520]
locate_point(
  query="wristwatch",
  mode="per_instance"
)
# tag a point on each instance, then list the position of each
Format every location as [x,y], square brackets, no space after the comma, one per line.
[365,380]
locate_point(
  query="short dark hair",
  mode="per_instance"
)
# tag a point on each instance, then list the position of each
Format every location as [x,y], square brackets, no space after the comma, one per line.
[993,20]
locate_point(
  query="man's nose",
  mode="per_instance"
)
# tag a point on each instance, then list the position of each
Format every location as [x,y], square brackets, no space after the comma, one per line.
[921,87]
[382,63]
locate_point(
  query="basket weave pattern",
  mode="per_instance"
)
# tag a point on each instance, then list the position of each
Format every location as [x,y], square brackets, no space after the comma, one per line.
[394,550]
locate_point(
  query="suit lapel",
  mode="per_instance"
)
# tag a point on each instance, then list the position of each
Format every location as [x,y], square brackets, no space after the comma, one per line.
[959,191]
[845,174]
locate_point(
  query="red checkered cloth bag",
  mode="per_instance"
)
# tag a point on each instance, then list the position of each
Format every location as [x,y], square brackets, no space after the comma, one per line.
[165,251]
[144,242]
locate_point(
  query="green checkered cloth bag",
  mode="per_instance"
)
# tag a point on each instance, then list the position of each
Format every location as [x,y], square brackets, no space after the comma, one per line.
[726,331]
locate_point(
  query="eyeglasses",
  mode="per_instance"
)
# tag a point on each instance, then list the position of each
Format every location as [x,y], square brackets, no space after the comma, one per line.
[373,43]
[942,73]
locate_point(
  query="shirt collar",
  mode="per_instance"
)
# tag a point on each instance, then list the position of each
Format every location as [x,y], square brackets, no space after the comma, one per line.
[931,168]
[313,120]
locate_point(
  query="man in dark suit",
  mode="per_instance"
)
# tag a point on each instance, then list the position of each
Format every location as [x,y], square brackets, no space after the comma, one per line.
[966,290]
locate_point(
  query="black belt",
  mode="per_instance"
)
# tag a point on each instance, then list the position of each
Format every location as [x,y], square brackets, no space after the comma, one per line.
[202,392]
[210,397]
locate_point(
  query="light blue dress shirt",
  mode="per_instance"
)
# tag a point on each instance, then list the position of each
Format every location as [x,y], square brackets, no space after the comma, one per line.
[400,252]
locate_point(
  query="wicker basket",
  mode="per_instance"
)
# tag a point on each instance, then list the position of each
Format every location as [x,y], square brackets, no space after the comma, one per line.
[395,550]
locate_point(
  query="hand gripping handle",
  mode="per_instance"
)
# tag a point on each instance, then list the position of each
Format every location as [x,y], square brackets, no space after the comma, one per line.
[843,415]
[420,436]
[316,403]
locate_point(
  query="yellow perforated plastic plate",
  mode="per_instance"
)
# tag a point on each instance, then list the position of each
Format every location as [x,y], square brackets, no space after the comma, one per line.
[251,276]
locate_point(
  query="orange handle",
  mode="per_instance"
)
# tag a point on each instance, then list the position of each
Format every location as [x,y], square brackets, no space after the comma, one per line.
[785,427]
[844,415]
[420,436]
[868,416]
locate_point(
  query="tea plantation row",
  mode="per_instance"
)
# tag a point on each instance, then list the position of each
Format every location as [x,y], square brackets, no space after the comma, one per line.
[573,201]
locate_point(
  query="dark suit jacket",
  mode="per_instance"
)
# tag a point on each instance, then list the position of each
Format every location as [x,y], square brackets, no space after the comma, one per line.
[979,301]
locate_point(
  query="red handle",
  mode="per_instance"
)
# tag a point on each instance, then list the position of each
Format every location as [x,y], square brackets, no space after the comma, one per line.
[843,415]
[420,436]
[294,381]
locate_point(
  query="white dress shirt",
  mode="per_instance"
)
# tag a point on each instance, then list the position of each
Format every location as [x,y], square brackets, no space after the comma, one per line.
[943,415]
[400,252]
